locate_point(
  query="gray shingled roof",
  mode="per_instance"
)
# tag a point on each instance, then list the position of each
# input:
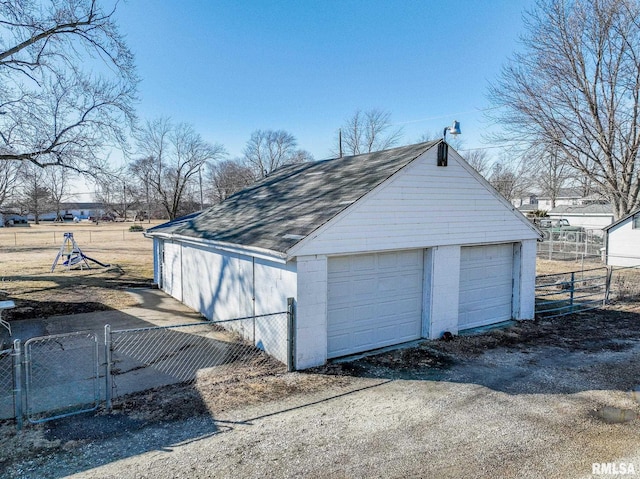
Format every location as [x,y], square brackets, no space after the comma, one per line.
[294,201]
[593,209]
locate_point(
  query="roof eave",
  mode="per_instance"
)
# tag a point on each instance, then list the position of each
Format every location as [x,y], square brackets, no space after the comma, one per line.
[253,251]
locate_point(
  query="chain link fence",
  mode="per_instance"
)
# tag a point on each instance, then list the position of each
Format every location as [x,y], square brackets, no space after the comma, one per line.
[223,350]
[56,376]
[571,245]
[6,384]
[23,237]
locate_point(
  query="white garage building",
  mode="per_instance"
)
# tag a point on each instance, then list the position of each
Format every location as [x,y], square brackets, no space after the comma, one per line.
[377,249]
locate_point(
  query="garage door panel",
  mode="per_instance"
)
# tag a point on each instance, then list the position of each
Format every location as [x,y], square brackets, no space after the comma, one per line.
[486,285]
[373,302]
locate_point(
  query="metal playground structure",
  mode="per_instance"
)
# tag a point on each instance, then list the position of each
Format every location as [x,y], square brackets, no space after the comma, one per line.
[73,256]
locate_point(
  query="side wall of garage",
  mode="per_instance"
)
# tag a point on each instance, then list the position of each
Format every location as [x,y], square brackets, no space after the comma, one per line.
[225,285]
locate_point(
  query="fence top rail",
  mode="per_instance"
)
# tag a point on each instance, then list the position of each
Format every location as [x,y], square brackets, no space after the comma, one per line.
[576,280]
[569,272]
[622,268]
[51,337]
[6,351]
[201,323]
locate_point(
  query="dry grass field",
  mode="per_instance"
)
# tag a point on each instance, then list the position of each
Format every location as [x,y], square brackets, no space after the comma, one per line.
[27,255]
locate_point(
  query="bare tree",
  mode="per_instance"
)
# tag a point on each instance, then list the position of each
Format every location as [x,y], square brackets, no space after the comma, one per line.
[57,180]
[511,177]
[173,156]
[576,88]
[9,172]
[552,173]
[367,131]
[34,198]
[227,177]
[479,160]
[67,83]
[268,150]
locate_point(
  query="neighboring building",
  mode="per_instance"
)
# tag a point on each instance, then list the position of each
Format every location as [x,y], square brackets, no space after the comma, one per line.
[565,196]
[377,249]
[527,202]
[589,216]
[622,241]
[70,211]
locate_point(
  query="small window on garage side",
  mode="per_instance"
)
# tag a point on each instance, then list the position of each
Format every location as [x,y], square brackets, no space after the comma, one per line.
[636,221]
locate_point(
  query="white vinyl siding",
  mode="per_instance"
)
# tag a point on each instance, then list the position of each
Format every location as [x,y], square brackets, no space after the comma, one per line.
[374,300]
[222,285]
[486,285]
[422,206]
[623,244]
[172,269]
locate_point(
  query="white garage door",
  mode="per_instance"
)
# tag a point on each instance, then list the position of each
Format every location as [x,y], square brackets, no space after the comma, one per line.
[486,285]
[374,300]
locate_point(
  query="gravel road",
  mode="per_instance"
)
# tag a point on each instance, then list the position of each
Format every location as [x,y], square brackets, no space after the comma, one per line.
[534,412]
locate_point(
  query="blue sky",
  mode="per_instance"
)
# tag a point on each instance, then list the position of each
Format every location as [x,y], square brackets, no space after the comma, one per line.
[230,67]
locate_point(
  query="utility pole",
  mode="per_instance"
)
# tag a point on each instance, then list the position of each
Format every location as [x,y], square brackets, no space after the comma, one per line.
[124,200]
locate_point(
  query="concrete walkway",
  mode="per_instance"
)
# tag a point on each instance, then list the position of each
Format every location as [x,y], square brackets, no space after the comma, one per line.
[155,308]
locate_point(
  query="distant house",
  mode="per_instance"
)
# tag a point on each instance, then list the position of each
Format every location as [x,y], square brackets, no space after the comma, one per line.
[377,249]
[565,196]
[622,241]
[70,211]
[528,202]
[589,216]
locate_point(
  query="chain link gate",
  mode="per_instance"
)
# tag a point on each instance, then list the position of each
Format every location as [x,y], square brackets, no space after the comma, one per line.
[61,375]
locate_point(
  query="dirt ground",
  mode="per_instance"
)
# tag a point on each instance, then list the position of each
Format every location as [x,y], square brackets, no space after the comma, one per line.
[544,398]
[564,391]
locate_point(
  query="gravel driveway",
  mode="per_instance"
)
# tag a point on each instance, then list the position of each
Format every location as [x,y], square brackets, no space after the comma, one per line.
[517,409]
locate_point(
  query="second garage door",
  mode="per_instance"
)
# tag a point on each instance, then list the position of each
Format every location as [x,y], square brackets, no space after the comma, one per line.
[486,285]
[374,300]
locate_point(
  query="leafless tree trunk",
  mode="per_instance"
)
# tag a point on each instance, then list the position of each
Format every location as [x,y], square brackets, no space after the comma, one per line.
[552,172]
[576,88]
[9,172]
[34,197]
[57,179]
[368,131]
[67,83]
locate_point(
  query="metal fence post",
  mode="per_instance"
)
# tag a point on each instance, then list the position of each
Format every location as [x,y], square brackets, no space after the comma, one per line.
[291,325]
[107,370]
[572,290]
[17,383]
[608,285]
